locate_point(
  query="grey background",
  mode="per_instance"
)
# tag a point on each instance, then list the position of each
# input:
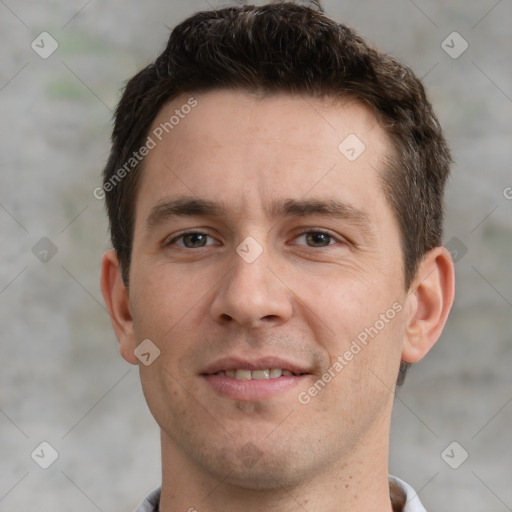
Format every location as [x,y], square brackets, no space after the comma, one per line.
[62,380]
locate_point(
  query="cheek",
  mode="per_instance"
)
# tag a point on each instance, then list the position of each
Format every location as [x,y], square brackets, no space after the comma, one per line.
[360,323]
[371,358]
[163,298]
[346,302]
[168,398]
[162,309]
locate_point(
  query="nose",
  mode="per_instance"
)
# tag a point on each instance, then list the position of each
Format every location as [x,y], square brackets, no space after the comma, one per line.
[252,295]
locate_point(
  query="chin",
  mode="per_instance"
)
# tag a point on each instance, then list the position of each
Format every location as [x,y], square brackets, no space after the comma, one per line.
[248,467]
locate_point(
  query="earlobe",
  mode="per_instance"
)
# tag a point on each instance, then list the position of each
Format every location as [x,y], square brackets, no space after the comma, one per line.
[115,295]
[429,302]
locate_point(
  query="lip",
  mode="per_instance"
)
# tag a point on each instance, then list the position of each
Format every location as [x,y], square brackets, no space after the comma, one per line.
[253,390]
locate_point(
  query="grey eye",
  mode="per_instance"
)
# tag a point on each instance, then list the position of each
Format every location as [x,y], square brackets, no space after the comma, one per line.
[317,239]
[194,240]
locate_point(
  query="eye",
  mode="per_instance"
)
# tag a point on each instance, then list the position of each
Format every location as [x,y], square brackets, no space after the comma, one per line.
[316,239]
[192,240]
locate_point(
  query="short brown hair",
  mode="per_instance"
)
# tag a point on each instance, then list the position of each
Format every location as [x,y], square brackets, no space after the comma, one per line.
[284,47]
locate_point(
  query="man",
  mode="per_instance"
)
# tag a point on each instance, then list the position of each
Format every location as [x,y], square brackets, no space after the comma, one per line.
[275,197]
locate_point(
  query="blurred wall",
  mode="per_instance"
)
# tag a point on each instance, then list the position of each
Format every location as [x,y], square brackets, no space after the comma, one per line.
[62,380]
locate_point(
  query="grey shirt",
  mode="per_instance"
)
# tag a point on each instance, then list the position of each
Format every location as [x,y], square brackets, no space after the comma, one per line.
[150,503]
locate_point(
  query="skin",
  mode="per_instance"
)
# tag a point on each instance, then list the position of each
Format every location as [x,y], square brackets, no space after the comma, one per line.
[304,299]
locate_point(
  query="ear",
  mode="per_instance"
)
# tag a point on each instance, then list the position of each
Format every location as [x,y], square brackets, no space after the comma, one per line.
[116,297]
[429,300]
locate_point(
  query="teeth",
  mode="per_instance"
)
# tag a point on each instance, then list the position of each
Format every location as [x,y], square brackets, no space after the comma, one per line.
[260,374]
[242,374]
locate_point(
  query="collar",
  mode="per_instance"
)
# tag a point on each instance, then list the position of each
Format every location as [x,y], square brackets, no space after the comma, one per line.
[412,504]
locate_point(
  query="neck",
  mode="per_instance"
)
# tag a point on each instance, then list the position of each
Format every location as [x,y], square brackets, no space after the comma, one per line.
[357,481]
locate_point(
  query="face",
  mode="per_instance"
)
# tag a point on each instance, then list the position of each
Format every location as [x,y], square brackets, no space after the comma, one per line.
[267,269]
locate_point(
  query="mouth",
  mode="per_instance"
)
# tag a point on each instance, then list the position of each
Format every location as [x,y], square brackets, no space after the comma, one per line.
[267,373]
[253,380]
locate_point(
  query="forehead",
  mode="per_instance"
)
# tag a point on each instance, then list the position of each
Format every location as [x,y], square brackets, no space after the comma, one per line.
[235,147]
[219,116]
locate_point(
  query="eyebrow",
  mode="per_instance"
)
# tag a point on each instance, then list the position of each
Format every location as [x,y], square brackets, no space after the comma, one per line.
[327,208]
[183,206]
[189,206]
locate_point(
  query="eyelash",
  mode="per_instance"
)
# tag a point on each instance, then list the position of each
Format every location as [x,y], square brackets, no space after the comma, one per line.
[302,233]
